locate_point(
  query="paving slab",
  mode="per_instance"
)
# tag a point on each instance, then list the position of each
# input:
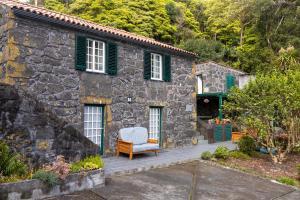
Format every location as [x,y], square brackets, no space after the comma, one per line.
[122,165]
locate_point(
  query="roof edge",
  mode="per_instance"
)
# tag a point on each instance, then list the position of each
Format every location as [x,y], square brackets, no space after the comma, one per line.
[222,65]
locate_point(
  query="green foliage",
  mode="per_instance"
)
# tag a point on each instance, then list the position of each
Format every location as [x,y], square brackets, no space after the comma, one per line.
[10,179]
[270,100]
[47,177]
[246,34]
[247,144]
[88,163]
[239,155]
[206,49]
[55,5]
[10,163]
[298,168]
[221,153]
[287,181]
[206,155]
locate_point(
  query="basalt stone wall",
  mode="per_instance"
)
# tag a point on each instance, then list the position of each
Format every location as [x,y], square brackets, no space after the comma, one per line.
[214,76]
[44,65]
[4,21]
[35,132]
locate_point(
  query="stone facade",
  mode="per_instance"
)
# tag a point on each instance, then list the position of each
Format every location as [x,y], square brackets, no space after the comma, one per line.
[42,64]
[214,76]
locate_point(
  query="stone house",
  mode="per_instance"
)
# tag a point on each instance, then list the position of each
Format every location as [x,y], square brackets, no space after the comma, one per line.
[213,82]
[92,78]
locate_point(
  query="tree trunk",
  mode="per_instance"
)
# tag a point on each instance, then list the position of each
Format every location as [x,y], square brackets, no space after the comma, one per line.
[242,36]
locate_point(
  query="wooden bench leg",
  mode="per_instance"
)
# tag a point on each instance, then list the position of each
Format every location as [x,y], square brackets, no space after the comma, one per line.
[156,153]
[130,156]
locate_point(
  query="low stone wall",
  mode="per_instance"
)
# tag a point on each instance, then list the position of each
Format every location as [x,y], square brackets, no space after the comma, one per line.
[35,189]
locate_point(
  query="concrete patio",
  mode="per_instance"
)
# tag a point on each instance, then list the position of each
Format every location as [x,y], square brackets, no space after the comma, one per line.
[195,181]
[122,165]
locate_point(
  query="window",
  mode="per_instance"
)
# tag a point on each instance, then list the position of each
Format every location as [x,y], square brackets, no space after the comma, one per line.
[156,66]
[95,56]
[230,81]
[200,84]
[93,124]
[155,123]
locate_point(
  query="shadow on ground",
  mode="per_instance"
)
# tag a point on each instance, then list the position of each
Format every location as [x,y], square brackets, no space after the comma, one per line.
[195,180]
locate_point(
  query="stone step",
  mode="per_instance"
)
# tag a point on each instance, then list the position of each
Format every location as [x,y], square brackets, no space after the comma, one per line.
[203,141]
[200,137]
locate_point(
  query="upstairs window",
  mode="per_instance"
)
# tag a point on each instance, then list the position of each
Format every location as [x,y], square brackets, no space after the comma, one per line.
[95,56]
[156,66]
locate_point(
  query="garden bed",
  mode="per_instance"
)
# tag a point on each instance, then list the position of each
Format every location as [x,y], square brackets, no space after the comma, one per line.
[36,189]
[262,165]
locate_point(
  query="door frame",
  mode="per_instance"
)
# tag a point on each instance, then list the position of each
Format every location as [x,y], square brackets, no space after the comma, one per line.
[101,146]
[160,123]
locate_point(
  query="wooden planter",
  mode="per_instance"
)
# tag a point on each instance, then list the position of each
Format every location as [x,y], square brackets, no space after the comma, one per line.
[236,136]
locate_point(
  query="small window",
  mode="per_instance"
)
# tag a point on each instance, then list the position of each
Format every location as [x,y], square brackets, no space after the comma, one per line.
[155,123]
[200,84]
[95,56]
[93,124]
[156,66]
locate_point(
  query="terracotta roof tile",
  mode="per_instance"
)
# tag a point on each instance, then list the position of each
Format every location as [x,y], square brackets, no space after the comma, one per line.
[91,25]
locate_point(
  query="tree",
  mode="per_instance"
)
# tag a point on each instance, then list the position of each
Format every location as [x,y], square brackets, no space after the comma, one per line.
[269,102]
[206,49]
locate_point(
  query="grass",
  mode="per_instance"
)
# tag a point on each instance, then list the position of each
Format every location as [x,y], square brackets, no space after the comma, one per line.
[239,155]
[288,181]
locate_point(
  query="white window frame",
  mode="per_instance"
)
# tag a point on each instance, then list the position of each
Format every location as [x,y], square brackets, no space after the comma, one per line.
[93,123]
[153,55]
[93,55]
[199,84]
[155,123]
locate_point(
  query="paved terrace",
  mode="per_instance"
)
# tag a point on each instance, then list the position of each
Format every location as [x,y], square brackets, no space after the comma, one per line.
[142,162]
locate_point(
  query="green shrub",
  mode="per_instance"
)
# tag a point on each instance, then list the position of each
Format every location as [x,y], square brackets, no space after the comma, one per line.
[221,152]
[47,177]
[206,155]
[88,163]
[246,144]
[10,179]
[298,168]
[10,163]
[239,155]
[287,181]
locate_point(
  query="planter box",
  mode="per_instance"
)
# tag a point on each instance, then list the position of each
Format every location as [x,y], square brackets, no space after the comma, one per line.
[36,189]
[236,136]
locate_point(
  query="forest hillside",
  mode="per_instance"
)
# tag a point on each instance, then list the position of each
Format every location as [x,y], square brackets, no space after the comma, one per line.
[251,35]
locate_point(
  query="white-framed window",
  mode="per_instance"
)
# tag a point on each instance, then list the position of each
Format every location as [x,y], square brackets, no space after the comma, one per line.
[199,84]
[95,56]
[156,66]
[155,123]
[93,123]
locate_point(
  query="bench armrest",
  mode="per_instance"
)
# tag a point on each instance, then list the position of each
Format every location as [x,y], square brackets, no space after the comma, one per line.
[124,142]
[153,141]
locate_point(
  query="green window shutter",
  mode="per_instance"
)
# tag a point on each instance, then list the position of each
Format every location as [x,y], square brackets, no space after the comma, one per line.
[230,82]
[111,58]
[80,60]
[167,68]
[147,65]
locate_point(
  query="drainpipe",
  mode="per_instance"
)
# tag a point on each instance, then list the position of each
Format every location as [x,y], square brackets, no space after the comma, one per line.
[220,107]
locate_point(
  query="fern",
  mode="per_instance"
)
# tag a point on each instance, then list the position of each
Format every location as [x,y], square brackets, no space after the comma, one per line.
[10,163]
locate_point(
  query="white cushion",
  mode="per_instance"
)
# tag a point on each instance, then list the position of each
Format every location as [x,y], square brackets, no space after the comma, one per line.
[144,147]
[136,135]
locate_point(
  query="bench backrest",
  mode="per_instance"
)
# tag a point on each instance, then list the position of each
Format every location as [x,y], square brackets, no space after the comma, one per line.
[136,135]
